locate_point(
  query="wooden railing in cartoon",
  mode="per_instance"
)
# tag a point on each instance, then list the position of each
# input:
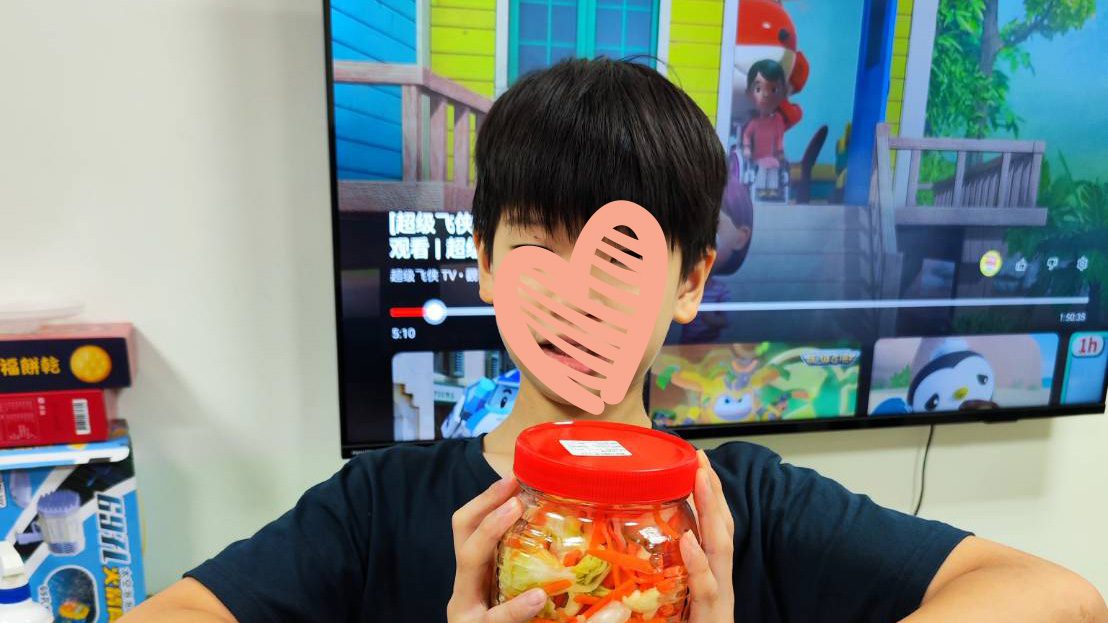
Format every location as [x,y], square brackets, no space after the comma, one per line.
[424,184]
[1001,191]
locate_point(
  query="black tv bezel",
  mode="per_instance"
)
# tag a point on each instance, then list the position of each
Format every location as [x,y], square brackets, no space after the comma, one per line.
[846,422]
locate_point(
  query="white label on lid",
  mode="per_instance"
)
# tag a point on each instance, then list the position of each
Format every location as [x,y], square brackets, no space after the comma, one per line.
[594,448]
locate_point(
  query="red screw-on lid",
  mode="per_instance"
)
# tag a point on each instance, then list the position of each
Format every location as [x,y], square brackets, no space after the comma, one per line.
[605,463]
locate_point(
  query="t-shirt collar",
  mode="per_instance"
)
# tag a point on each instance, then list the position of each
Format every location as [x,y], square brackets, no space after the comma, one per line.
[475,459]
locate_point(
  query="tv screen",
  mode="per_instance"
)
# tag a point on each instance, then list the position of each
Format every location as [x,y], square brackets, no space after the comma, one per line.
[929,244]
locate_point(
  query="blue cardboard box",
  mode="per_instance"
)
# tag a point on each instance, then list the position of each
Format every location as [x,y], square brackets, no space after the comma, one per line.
[72,513]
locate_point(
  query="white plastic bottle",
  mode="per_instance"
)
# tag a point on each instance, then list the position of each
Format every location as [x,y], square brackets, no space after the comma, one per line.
[16,605]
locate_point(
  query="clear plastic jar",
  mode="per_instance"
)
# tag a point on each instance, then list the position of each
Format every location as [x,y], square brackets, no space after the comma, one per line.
[603,517]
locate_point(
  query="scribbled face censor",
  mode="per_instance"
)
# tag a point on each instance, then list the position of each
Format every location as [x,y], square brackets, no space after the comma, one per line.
[608,263]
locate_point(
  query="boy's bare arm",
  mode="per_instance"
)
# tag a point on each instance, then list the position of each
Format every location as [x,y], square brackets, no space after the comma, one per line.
[186,601]
[985,581]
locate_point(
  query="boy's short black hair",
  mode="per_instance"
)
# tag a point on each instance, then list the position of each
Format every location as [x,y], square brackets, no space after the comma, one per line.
[562,142]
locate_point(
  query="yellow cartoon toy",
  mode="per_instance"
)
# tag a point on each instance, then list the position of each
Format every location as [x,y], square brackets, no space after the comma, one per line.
[724,389]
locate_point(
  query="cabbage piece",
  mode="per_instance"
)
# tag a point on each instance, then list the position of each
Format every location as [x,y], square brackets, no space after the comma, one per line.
[562,526]
[522,570]
[548,610]
[589,573]
[614,612]
[572,607]
[645,603]
[565,533]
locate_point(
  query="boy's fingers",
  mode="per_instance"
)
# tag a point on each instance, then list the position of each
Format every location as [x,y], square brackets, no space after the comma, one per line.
[719,543]
[476,554]
[466,518]
[728,518]
[518,610]
[703,587]
[717,488]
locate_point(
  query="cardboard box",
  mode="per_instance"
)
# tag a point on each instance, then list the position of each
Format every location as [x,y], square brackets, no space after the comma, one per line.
[72,513]
[49,418]
[67,356]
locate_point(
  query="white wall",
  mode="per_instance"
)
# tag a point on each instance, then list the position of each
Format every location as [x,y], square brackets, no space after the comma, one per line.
[165,161]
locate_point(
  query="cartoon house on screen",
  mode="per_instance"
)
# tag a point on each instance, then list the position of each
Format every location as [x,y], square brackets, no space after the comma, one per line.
[413,78]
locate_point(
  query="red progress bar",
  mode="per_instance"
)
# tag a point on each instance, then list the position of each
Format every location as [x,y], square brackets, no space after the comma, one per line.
[405,312]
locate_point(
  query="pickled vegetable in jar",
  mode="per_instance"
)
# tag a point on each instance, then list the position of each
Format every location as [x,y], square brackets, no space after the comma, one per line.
[605,506]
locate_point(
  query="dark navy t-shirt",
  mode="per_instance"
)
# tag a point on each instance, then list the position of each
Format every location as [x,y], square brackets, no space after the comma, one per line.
[374,543]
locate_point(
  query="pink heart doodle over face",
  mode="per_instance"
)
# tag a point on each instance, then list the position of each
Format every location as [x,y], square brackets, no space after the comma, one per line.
[572,306]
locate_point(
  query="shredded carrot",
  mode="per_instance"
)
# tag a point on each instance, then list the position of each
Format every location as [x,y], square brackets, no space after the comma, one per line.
[588,600]
[619,593]
[542,513]
[666,610]
[665,527]
[556,586]
[616,536]
[572,558]
[667,585]
[616,575]
[597,537]
[674,571]
[626,561]
[676,522]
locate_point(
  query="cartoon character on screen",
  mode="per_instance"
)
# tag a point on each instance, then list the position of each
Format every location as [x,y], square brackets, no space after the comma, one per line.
[955,378]
[766,31]
[763,137]
[724,398]
[484,405]
[733,237]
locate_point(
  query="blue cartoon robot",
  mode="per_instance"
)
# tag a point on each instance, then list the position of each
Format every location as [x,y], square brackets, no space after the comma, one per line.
[483,407]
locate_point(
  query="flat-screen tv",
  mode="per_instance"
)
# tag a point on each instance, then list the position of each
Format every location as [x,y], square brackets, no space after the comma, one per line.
[933,247]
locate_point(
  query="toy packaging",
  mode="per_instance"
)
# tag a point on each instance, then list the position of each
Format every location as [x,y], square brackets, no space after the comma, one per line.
[67,357]
[72,513]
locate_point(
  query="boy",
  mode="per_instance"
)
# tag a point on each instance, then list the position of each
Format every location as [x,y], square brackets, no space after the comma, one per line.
[379,540]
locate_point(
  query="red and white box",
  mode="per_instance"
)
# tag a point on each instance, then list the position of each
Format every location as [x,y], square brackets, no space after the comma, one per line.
[50,418]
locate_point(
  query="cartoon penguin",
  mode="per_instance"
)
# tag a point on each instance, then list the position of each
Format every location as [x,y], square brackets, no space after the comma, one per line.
[955,378]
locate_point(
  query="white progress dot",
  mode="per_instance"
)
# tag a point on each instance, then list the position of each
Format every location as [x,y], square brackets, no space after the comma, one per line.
[434,311]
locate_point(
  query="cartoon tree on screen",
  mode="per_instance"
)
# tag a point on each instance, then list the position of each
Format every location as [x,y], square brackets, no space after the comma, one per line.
[969,92]
[1078,219]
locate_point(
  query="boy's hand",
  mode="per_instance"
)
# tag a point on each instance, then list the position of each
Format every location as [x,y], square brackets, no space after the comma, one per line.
[710,582]
[478,527]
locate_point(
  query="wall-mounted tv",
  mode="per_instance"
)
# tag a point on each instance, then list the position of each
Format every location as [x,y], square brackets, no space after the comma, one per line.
[932,246]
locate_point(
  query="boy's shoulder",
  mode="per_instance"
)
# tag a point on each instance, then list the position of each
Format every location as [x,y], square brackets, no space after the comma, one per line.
[411,455]
[734,454]
[741,464]
[451,463]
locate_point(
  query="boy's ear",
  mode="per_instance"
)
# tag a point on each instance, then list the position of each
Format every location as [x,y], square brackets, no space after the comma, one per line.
[691,289]
[484,269]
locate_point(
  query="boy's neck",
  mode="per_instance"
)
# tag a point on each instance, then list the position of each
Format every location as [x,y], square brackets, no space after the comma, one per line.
[533,407]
